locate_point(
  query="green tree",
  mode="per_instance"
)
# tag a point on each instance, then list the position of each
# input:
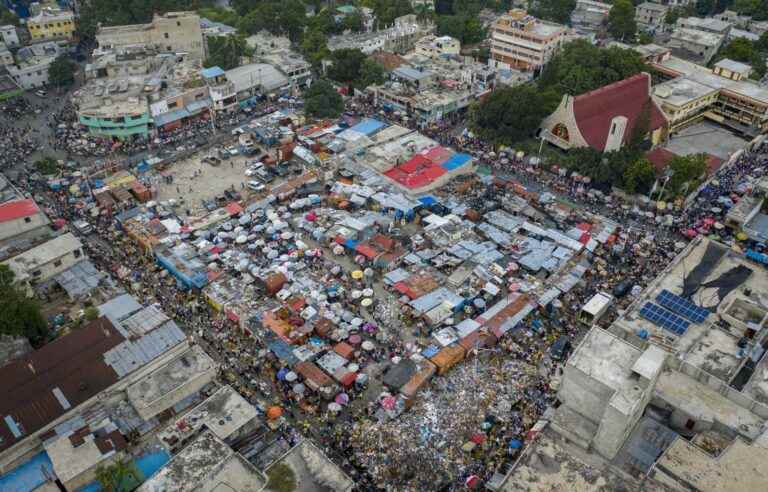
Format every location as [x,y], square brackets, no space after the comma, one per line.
[353,22]
[387,11]
[322,100]
[555,10]
[19,314]
[47,166]
[219,14]
[757,9]
[467,29]
[621,20]
[581,67]
[762,43]
[292,19]
[8,17]
[346,65]
[314,47]
[119,12]
[62,71]
[511,114]
[371,73]
[744,50]
[639,177]
[226,52]
[91,313]
[112,477]
[264,17]
[686,173]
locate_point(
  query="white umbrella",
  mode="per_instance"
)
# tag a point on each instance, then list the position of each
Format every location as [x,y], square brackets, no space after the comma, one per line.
[291,376]
[366,302]
[353,367]
[368,292]
[241,239]
[299,388]
[334,407]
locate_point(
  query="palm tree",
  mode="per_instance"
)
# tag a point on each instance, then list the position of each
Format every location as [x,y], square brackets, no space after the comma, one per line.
[110,477]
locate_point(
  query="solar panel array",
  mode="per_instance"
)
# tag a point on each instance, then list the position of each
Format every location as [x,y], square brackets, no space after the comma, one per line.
[661,317]
[683,307]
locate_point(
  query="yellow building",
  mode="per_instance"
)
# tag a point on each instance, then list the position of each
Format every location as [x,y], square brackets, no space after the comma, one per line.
[52,23]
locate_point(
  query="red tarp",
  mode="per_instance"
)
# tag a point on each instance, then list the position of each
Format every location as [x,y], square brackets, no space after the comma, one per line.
[438,154]
[414,164]
[366,250]
[234,208]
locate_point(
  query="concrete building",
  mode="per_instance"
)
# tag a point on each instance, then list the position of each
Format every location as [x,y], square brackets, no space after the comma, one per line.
[400,38]
[21,218]
[430,90]
[435,47]
[256,79]
[6,57]
[206,465]
[32,62]
[695,45]
[76,374]
[650,16]
[684,101]
[213,29]
[186,375]
[222,91]
[709,24]
[225,414]
[741,104]
[52,23]
[589,16]
[173,32]
[520,41]
[276,50]
[313,469]
[9,35]
[606,386]
[130,91]
[46,260]
[605,118]
[77,449]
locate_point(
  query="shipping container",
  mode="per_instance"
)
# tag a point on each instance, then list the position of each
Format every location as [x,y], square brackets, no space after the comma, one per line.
[418,381]
[447,358]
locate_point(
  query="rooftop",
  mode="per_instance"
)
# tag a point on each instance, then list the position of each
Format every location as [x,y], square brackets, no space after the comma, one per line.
[739,467]
[681,91]
[708,23]
[734,66]
[704,38]
[171,383]
[42,386]
[206,465]
[45,253]
[17,209]
[260,75]
[313,470]
[223,413]
[653,6]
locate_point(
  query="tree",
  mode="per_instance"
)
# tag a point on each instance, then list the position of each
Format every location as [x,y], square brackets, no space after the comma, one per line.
[46,166]
[119,12]
[387,11]
[639,177]
[219,14]
[322,100]
[744,50]
[8,17]
[314,47]
[371,73]
[113,476]
[292,18]
[512,114]
[555,10]
[621,20]
[467,29]
[757,9]
[686,170]
[62,71]
[581,67]
[19,314]
[265,17]
[226,52]
[353,22]
[91,313]
[346,65]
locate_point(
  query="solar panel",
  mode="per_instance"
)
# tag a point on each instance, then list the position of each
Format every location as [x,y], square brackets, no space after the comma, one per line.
[683,307]
[661,317]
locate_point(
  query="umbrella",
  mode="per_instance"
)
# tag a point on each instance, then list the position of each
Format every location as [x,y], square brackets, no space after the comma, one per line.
[361,378]
[282,373]
[274,412]
[368,292]
[366,302]
[299,388]
[515,444]
[478,438]
[291,376]
[353,367]
[357,274]
[334,407]
[388,402]
[241,239]
[356,322]
[342,399]
[355,339]
[367,345]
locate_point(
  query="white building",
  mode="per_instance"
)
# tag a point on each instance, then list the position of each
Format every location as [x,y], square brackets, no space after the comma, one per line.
[31,69]
[699,46]
[177,32]
[9,35]
[47,260]
[435,47]
[520,41]
[650,16]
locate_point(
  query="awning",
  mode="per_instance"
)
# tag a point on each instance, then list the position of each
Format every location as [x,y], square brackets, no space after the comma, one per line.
[171,116]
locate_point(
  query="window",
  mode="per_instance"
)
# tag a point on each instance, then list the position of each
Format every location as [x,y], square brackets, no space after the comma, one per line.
[36,273]
[27,219]
[178,23]
[57,263]
[76,253]
[613,128]
[165,35]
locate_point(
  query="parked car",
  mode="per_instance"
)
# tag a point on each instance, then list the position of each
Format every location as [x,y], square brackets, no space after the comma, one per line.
[212,160]
[41,93]
[256,186]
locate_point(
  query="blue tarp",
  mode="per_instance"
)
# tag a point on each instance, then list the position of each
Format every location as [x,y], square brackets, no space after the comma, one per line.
[430,351]
[456,161]
[283,351]
[350,243]
[195,280]
[28,476]
[758,257]
[212,72]
[428,200]
[368,126]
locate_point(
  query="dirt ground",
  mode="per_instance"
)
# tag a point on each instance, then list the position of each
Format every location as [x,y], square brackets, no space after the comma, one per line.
[195,181]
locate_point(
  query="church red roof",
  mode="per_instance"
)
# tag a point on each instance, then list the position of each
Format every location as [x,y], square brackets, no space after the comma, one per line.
[594,110]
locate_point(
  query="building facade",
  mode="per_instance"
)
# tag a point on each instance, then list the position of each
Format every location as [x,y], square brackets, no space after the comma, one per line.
[177,32]
[46,260]
[52,24]
[650,16]
[434,46]
[520,41]
[20,217]
[9,35]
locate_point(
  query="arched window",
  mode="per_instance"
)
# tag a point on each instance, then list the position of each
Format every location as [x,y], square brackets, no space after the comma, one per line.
[561,131]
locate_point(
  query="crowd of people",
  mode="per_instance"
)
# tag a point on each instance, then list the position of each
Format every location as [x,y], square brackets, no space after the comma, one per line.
[492,406]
